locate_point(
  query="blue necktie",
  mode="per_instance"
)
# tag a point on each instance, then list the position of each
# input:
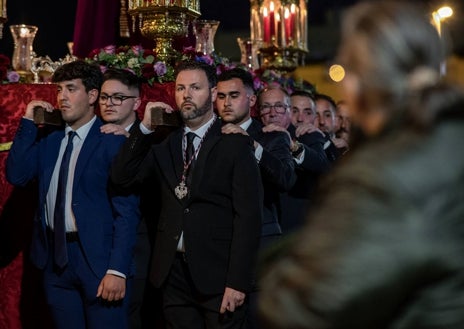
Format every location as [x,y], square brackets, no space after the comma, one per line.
[61,254]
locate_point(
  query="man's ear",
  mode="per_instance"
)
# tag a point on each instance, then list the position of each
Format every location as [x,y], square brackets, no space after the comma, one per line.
[213,94]
[137,103]
[93,96]
[253,100]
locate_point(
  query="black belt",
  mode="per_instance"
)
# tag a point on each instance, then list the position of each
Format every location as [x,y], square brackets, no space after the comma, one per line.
[70,236]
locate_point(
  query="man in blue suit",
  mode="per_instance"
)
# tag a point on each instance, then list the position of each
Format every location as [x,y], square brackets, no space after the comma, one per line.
[89,288]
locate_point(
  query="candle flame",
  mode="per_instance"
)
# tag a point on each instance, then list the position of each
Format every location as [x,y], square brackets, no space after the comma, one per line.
[286,13]
[23,32]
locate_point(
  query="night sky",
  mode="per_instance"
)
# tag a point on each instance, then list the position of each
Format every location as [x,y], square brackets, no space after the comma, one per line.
[56,30]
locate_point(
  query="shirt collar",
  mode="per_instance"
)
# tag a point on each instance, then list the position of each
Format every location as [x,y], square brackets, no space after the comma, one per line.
[200,132]
[83,131]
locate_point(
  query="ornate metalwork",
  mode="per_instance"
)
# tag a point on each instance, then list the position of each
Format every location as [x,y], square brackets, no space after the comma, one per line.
[163,20]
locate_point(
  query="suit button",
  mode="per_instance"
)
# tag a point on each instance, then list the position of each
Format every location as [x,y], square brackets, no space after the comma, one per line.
[186,210]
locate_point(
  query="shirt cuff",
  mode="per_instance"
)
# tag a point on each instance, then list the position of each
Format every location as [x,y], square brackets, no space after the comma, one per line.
[299,158]
[117,273]
[259,153]
[145,130]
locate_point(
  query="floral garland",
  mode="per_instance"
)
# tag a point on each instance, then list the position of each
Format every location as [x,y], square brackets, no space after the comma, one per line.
[144,64]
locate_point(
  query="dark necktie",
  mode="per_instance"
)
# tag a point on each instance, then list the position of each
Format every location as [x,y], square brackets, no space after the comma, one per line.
[61,255]
[189,154]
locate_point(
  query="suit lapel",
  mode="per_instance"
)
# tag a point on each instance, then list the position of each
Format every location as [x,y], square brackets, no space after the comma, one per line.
[172,150]
[91,142]
[50,153]
[212,137]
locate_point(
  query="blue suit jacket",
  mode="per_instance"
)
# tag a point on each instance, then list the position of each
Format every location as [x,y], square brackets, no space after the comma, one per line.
[106,222]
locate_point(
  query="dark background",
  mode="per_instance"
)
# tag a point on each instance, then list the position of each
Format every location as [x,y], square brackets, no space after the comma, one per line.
[55,20]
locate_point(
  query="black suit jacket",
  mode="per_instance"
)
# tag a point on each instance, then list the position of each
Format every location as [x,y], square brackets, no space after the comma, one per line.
[296,203]
[277,171]
[220,220]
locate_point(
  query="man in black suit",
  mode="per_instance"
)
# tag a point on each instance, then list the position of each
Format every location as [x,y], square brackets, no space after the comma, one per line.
[235,99]
[210,217]
[272,152]
[326,109]
[296,116]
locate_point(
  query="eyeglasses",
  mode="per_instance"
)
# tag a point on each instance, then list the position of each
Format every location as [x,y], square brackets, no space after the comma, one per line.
[279,108]
[114,99]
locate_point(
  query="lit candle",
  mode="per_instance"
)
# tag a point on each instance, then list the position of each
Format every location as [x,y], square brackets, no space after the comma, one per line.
[267,26]
[271,19]
[292,20]
[279,35]
[287,22]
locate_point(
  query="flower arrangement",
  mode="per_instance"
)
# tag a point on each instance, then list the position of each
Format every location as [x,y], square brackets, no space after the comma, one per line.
[267,77]
[144,64]
[7,75]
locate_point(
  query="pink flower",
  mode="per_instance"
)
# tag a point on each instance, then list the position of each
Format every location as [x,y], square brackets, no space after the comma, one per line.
[160,68]
[13,76]
[110,49]
[138,49]
[103,68]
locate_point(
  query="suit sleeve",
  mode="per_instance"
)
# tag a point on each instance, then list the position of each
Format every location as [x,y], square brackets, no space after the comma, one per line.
[276,164]
[315,159]
[22,164]
[248,199]
[125,171]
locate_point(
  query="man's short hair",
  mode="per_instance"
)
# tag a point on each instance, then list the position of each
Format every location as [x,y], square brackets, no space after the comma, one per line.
[89,73]
[126,77]
[238,73]
[209,70]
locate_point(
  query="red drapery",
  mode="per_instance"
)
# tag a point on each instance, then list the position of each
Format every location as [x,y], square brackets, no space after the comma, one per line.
[96,25]
[21,298]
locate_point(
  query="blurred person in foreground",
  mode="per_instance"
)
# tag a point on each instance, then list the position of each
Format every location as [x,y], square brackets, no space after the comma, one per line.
[384,247]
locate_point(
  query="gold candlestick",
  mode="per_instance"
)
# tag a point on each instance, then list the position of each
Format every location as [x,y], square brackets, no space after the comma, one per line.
[3,17]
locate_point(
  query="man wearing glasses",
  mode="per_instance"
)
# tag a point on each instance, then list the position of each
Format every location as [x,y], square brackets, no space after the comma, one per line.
[119,101]
[307,147]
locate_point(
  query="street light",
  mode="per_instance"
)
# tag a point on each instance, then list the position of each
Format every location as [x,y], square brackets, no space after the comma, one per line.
[438,16]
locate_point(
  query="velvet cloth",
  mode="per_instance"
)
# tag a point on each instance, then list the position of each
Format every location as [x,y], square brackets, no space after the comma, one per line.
[21,298]
[96,25]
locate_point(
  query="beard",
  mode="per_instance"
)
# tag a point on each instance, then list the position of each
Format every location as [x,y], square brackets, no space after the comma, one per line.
[196,111]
